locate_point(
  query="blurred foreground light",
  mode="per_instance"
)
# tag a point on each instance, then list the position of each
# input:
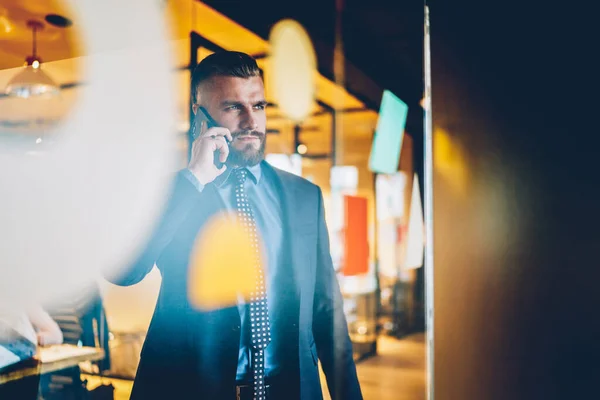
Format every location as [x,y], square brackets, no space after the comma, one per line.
[292,69]
[87,203]
[221,265]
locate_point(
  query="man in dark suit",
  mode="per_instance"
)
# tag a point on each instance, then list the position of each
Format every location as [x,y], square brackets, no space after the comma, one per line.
[267,347]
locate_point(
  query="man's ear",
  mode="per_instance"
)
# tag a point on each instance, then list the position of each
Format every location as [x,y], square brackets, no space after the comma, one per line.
[195,108]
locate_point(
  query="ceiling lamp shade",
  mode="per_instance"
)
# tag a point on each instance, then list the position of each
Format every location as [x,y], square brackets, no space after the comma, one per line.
[31,81]
[292,67]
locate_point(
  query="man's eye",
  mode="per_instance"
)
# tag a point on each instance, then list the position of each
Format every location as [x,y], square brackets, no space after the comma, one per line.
[234,107]
[260,106]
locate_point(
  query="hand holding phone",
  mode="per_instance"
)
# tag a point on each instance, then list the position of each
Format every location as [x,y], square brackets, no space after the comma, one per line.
[203,117]
[210,147]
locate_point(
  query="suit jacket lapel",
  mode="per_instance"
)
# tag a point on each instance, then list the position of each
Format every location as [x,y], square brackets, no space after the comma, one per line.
[209,204]
[290,200]
[213,198]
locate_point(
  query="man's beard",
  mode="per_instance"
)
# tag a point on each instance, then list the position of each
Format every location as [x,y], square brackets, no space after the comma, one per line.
[248,156]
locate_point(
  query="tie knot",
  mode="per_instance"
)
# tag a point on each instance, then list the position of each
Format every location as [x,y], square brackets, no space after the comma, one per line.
[241,174]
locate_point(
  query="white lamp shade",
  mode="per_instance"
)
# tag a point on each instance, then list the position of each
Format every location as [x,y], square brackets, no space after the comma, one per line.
[292,67]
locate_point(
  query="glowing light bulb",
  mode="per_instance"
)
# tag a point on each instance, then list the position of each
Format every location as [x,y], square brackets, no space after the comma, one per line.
[35,64]
[302,149]
[38,140]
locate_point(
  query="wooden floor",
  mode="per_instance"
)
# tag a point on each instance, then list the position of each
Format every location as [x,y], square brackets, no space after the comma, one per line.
[396,373]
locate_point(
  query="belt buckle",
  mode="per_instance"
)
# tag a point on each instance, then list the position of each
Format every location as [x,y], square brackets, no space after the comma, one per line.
[238,391]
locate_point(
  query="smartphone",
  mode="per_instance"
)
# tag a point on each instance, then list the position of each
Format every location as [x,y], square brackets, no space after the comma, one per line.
[202,115]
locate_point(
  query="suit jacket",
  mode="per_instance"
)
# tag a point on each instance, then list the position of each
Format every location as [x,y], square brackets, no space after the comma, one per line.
[195,352]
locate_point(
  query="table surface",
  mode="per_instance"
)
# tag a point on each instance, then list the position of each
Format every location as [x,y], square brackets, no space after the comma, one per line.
[55,358]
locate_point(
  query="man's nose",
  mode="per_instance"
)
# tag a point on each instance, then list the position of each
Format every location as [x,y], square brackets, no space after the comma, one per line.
[250,121]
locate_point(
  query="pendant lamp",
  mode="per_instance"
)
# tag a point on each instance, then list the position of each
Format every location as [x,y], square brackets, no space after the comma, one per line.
[31,81]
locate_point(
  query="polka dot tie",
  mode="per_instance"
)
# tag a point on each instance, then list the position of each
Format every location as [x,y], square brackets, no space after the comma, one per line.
[259,313]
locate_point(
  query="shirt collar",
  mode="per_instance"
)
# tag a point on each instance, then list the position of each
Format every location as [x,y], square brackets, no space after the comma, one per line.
[255,173]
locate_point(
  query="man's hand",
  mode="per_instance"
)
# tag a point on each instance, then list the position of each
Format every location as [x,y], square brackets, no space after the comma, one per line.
[48,331]
[203,149]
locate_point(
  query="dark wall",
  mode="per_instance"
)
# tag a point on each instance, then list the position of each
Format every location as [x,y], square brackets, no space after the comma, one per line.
[517,242]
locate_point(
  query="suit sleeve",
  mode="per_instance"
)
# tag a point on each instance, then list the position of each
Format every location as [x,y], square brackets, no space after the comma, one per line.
[184,195]
[330,328]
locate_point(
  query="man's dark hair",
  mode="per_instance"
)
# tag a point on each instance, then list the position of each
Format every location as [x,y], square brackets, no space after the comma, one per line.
[223,63]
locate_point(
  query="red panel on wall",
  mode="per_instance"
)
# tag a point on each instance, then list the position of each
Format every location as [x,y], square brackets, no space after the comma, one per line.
[356,244]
